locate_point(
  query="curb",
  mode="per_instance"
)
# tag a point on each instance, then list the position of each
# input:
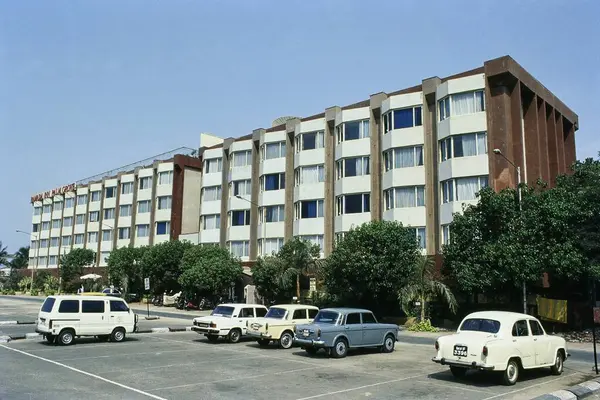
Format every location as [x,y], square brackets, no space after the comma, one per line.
[8,322]
[576,392]
[33,336]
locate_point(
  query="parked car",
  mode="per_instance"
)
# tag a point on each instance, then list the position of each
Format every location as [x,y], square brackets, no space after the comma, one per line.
[62,318]
[500,341]
[340,329]
[228,320]
[112,292]
[278,325]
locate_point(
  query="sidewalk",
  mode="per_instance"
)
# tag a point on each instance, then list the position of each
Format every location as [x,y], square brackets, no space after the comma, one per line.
[170,312]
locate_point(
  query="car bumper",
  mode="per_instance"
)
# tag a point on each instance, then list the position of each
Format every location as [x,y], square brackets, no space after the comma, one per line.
[208,331]
[309,342]
[464,364]
[258,335]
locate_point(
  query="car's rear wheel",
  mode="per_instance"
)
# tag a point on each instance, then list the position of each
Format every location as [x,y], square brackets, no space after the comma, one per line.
[66,337]
[340,348]
[263,342]
[388,344]
[212,338]
[558,367]
[234,335]
[286,340]
[511,374]
[458,372]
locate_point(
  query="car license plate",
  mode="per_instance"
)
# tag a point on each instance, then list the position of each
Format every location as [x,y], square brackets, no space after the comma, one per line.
[305,332]
[460,351]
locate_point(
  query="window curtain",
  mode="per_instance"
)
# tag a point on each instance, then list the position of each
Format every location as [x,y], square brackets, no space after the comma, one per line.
[463,103]
[239,249]
[421,237]
[469,145]
[320,140]
[352,130]
[448,191]
[419,155]
[212,194]
[482,143]
[403,118]
[479,101]
[314,174]
[272,150]
[240,158]
[320,208]
[405,197]
[466,188]
[420,196]
[365,128]
[404,157]
[271,182]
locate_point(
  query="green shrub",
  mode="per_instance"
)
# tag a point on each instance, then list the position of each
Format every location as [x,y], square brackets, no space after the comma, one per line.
[423,326]
[34,292]
[49,292]
[11,292]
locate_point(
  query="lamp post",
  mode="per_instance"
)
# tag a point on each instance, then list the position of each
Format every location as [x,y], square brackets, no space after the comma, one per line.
[518,168]
[264,222]
[37,253]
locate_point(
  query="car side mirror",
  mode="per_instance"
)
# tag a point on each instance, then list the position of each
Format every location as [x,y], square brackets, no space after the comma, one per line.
[235,316]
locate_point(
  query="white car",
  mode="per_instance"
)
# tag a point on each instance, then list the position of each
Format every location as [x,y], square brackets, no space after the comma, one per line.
[500,341]
[228,320]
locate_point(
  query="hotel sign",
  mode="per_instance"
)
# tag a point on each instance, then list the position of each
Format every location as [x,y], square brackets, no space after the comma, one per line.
[53,192]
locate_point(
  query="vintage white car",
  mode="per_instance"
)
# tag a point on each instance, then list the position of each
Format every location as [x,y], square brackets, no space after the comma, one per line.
[228,320]
[278,325]
[500,341]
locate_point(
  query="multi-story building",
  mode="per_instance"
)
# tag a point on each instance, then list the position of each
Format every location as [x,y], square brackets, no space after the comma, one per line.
[415,155]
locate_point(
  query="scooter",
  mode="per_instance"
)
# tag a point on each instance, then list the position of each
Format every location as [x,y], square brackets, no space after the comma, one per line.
[170,300]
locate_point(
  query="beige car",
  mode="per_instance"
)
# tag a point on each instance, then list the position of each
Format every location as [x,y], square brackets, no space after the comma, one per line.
[278,325]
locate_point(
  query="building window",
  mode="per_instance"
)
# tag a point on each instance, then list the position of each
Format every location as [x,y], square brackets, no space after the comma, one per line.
[109,213]
[314,239]
[165,178]
[37,210]
[67,222]
[66,241]
[52,260]
[211,221]
[81,199]
[54,242]
[310,141]
[462,189]
[145,183]
[353,203]
[106,235]
[352,130]
[403,157]
[124,233]
[69,202]
[143,206]
[125,210]
[44,244]
[35,227]
[211,193]
[78,238]
[241,188]
[142,230]
[272,182]
[356,166]
[92,237]
[46,225]
[95,196]
[104,258]
[163,227]
[94,216]
[213,165]
[309,174]
[404,197]
[269,246]
[308,209]
[164,202]
[272,213]
[445,234]
[273,150]
[56,224]
[241,158]
[126,187]
[47,209]
[461,104]
[402,118]
[240,248]
[43,260]
[110,192]
[419,233]
[467,145]
[58,206]
[80,219]
[240,217]
[33,245]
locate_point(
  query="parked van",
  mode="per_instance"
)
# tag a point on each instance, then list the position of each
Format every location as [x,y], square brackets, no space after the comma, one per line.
[62,318]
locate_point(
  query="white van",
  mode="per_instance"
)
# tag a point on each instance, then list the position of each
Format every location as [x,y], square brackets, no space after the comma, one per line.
[62,318]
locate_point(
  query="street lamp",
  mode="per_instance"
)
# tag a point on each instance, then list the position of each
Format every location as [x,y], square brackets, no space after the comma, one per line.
[518,168]
[37,253]
[264,222]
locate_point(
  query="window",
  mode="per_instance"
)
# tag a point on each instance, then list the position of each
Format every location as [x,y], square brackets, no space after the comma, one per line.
[33,245]
[520,328]
[269,246]
[126,187]
[273,150]
[211,221]
[213,165]
[54,242]
[92,237]
[353,203]
[272,182]
[56,224]
[164,202]
[272,213]
[402,118]
[142,230]
[461,104]
[92,306]
[352,130]
[37,210]
[46,225]
[44,243]
[125,210]
[353,319]
[145,183]
[536,328]
[326,317]
[69,202]
[419,233]
[403,157]
[78,238]
[240,217]
[299,314]
[247,312]
[163,227]
[310,141]
[58,206]
[104,257]
[308,209]
[48,304]
[82,199]
[94,216]
[43,260]
[260,312]
[356,166]
[67,222]
[467,145]
[80,219]
[404,196]
[47,209]
[110,192]
[241,158]
[143,206]
[241,188]
[66,241]
[314,239]
[95,196]
[52,260]
[106,235]
[35,227]
[165,178]
[240,248]
[480,325]
[211,193]
[309,174]
[118,306]
[368,318]
[124,233]
[462,189]
[69,306]
[109,213]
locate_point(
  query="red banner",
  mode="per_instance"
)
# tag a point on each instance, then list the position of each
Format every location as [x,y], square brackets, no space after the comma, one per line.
[53,192]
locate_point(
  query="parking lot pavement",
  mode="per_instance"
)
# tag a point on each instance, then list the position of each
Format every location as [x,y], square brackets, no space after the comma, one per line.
[187,366]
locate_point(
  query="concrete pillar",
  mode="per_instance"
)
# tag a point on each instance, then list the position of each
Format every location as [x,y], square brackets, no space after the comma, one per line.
[376,165]
[256,135]
[532,143]
[552,145]
[225,193]
[543,140]
[329,201]
[291,127]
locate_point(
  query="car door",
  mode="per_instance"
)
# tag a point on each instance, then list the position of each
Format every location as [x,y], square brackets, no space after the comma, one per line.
[523,343]
[299,316]
[372,334]
[245,317]
[312,313]
[94,321]
[353,329]
[541,344]
[119,315]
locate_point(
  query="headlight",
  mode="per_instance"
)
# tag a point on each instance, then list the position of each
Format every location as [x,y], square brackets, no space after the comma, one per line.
[213,325]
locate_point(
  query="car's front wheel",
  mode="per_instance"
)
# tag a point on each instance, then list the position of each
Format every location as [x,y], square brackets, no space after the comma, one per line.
[558,367]
[234,335]
[286,340]
[458,372]
[340,348]
[511,374]
[388,344]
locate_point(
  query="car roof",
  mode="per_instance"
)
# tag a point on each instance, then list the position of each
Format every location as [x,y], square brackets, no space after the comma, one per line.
[240,305]
[86,297]
[294,306]
[499,315]
[346,310]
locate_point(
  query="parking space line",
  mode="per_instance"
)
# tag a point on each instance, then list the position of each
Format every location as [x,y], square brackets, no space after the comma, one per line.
[123,354]
[444,385]
[528,387]
[86,373]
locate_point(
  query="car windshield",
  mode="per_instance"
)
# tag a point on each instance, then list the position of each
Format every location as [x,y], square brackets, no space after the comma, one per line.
[480,325]
[326,317]
[222,311]
[48,304]
[274,312]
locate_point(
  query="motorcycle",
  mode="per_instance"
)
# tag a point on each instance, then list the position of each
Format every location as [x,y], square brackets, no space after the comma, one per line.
[157,300]
[171,300]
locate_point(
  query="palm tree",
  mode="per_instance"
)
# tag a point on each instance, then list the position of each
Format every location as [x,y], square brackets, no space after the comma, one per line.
[20,259]
[424,286]
[300,257]
[3,255]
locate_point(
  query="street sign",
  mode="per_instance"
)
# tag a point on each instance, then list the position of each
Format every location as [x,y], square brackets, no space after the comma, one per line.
[146,283]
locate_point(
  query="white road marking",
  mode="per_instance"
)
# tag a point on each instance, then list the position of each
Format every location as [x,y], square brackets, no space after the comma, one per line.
[86,373]
[158,353]
[445,385]
[528,387]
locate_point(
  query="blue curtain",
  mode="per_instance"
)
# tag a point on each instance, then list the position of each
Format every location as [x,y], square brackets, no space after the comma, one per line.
[403,118]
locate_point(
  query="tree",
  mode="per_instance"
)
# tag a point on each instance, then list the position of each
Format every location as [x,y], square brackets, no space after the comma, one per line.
[162,264]
[72,264]
[266,275]
[124,264]
[300,257]
[40,279]
[424,286]
[3,255]
[209,269]
[20,259]
[370,264]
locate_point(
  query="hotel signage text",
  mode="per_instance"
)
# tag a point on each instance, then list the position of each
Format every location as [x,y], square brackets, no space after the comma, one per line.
[53,192]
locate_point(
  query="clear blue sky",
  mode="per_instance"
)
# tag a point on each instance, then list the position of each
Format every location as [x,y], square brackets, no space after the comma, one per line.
[88,86]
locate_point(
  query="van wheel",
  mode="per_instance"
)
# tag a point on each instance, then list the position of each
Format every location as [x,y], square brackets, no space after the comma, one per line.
[234,335]
[118,335]
[286,340]
[50,338]
[511,375]
[66,337]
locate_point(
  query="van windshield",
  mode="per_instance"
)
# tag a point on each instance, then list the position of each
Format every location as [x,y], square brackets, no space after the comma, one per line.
[48,304]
